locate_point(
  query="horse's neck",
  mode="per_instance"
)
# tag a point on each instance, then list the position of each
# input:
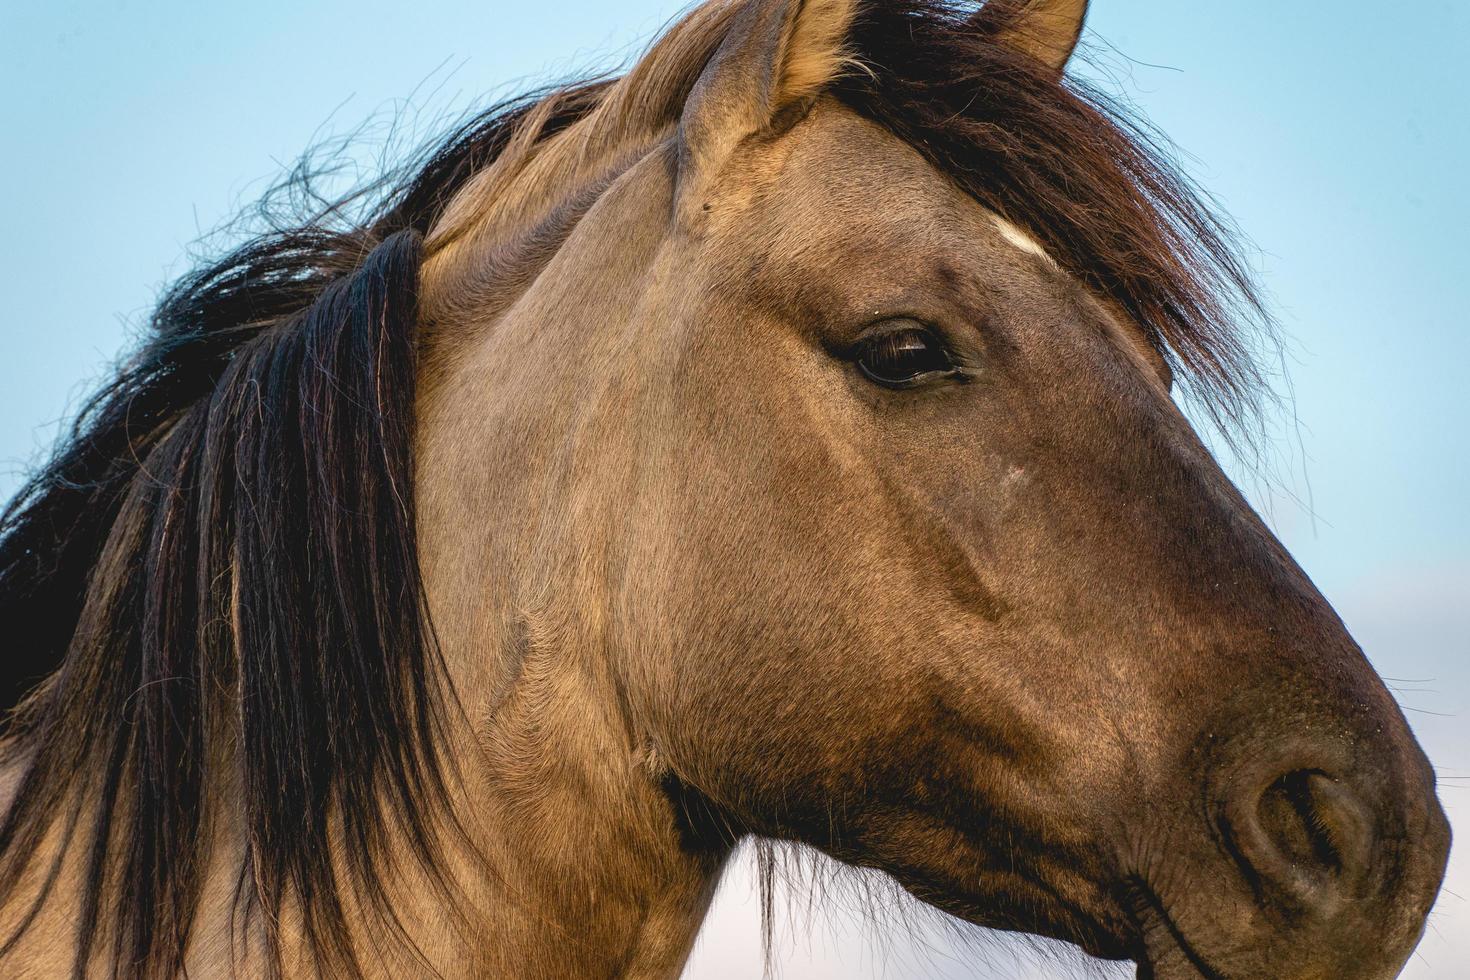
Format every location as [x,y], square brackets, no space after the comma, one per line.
[593,874]
[575,864]
[573,876]
[595,878]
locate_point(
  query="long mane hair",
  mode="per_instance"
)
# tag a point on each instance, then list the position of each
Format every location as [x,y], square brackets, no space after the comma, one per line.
[212,591]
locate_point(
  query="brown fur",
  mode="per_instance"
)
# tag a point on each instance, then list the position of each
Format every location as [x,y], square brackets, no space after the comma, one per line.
[1009,635]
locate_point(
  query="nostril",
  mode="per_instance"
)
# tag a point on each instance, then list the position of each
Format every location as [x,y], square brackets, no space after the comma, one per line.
[1306,833]
[1296,823]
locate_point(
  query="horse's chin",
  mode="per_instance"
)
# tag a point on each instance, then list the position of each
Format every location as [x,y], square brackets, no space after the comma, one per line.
[1109,934]
[1167,953]
[1174,962]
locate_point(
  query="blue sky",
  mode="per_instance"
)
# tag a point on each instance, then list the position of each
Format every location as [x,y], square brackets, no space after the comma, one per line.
[1336,134]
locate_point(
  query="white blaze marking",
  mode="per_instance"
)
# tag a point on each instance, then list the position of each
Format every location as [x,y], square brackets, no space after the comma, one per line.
[1020,239]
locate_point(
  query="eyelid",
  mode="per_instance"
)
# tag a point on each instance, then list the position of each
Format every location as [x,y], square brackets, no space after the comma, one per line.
[961,355]
[887,327]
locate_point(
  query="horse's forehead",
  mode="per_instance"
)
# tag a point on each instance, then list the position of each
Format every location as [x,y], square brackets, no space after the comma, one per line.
[850,166]
[841,182]
[857,216]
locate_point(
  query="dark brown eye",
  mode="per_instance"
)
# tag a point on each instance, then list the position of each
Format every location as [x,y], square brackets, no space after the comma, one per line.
[903,357]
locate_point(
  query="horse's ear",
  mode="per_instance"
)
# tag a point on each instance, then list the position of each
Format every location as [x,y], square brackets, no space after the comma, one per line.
[777,55]
[1046,30]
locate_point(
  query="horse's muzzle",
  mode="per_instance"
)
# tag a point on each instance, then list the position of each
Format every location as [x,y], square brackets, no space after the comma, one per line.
[1323,866]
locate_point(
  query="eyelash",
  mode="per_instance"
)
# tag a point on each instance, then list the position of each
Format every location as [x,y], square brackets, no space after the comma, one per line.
[903,355]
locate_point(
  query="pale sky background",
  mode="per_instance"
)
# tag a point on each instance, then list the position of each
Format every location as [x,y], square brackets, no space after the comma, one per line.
[1337,133]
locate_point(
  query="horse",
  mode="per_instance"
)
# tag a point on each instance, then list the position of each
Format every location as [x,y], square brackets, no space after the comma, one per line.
[779,441]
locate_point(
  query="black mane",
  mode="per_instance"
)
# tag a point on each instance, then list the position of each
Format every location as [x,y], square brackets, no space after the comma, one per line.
[225,544]
[213,585]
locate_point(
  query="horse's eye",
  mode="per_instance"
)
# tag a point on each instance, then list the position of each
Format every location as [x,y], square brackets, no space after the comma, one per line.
[903,357]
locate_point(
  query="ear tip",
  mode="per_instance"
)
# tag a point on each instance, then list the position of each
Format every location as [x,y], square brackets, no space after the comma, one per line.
[775,53]
[1045,30]
[816,49]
